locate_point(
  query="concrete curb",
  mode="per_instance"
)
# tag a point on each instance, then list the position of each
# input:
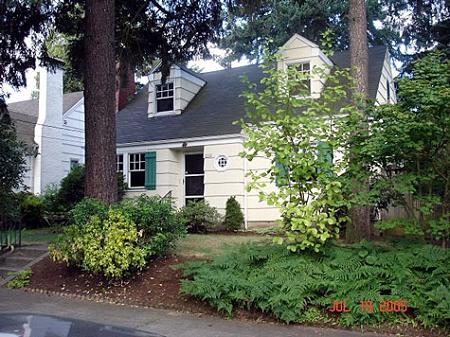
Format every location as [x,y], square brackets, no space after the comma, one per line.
[28,265]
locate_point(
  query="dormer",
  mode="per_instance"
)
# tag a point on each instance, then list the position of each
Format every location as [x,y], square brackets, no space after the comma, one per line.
[304,55]
[173,96]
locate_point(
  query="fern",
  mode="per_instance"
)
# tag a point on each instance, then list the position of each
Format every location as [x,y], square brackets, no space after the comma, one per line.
[302,287]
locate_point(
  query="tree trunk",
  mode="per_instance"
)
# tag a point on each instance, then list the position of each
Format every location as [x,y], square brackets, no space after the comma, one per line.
[360,227]
[99,101]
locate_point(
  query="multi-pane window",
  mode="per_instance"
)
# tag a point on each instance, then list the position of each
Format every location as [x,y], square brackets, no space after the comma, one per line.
[136,169]
[74,163]
[164,97]
[303,69]
[119,163]
[388,90]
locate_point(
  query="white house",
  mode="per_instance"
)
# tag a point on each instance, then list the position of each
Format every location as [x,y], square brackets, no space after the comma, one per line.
[53,125]
[178,138]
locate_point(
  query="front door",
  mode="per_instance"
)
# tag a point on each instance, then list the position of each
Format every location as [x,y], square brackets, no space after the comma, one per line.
[194,175]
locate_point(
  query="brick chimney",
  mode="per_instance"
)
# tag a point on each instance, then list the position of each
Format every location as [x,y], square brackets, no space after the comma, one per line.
[125,88]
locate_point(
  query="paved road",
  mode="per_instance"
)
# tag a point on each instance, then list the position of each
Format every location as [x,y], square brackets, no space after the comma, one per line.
[164,322]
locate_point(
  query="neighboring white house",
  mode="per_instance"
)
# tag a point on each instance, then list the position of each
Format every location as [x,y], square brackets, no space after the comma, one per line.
[179,138]
[53,126]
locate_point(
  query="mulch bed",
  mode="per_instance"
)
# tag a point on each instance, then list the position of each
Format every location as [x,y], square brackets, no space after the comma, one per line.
[156,286]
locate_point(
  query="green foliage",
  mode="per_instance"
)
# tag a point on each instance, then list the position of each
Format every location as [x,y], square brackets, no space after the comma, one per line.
[200,217]
[109,246]
[72,187]
[251,25]
[12,159]
[298,134]
[50,199]
[32,210]
[302,287]
[408,148]
[117,240]
[85,210]
[20,280]
[156,220]
[234,218]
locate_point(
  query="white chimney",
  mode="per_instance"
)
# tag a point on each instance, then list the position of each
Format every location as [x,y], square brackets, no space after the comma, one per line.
[48,166]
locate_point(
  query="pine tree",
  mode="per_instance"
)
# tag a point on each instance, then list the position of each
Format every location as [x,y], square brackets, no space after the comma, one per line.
[233,215]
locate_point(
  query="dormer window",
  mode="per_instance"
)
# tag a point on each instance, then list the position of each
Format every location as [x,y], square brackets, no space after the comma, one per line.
[164,97]
[303,68]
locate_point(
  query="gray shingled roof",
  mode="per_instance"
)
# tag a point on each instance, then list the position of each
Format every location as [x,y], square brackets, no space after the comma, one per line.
[217,105]
[25,114]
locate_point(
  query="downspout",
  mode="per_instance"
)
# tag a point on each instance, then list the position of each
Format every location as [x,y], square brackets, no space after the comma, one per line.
[245,196]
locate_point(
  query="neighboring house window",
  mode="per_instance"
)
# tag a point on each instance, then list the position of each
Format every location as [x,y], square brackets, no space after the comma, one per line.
[119,163]
[303,68]
[164,97]
[136,169]
[74,163]
[388,90]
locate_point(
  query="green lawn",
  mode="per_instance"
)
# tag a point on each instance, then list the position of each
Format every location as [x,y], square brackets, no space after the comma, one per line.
[38,236]
[211,245]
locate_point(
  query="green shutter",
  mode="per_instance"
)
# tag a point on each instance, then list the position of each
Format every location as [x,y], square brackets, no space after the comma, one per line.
[325,153]
[150,170]
[283,176]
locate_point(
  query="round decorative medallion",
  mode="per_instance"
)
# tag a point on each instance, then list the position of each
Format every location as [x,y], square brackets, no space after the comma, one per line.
[221,162]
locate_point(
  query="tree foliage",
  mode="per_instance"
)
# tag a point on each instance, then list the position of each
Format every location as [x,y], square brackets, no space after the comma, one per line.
[22,30]
[251,25]
[408,148]
[12,161]
[298,134]
[170,31]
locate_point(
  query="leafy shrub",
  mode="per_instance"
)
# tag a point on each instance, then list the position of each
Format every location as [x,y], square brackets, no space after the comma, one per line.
[200,217]
[109,246]
[288,285]
[156,220]
[51,200]
[20,280]
[85,210]
[32,210]
[233,215]
[72,187]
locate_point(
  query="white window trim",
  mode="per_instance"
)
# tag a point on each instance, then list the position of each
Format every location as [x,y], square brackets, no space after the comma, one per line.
[129,170]
[166,112]
[302,62]
[117,162]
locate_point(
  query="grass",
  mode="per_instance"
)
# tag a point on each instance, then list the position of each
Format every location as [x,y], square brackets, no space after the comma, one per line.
[212,245]
[38,236]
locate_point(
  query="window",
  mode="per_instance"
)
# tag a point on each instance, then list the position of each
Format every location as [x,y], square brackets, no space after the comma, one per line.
[164,97]
[136,169]
[74,163]
[221,163]
[119,163]
[388,90]
[304,70]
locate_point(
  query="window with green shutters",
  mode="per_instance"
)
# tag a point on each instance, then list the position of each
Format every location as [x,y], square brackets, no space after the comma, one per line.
[150,170]
[325,155]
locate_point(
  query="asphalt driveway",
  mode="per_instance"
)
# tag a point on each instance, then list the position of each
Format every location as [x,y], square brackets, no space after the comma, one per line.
[164,322]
